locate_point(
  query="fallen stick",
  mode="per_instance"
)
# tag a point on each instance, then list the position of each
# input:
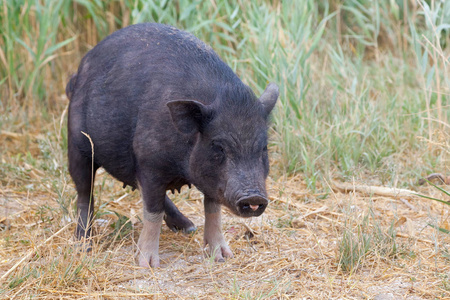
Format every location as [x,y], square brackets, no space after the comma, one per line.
[372,190]
[30,253]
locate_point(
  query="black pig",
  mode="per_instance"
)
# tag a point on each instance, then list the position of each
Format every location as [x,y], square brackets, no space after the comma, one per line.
[163,110]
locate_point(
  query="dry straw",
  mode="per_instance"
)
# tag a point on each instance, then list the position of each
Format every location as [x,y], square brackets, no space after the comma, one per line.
[291,251]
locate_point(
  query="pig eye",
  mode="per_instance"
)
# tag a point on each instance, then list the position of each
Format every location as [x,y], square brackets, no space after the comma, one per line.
[219,153]
[265,148]
[217,148]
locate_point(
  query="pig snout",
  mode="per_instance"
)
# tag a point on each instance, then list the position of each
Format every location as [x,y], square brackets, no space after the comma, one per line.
[252,205]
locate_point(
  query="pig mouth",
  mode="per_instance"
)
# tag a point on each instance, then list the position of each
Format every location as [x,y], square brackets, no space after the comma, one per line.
[250,206]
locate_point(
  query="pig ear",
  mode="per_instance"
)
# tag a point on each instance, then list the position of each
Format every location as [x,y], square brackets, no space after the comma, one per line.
[189,116]
[269,97]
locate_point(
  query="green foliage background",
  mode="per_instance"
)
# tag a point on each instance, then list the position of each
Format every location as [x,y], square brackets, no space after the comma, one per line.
[365,85]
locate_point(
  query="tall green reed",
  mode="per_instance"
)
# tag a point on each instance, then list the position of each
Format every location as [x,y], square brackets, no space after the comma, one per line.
[359,80]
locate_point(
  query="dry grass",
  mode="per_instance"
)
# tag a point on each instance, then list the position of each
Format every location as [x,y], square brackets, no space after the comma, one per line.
[291,251]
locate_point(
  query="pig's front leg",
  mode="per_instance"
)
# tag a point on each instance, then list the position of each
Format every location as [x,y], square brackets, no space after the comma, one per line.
[213,236]
[153,197]
[148,244]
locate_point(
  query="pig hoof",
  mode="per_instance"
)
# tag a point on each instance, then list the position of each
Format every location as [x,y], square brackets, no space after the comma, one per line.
[83,246]
[226,253]
[181,223]
[189,230]
[220,253]
[151,262]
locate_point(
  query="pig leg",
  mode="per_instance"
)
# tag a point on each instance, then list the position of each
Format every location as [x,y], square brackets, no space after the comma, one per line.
[213,236]
[148,243]
[175,220]
[83,174]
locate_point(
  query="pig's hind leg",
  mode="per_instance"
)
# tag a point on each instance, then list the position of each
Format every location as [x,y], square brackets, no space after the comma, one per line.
[82,172]
[175,220]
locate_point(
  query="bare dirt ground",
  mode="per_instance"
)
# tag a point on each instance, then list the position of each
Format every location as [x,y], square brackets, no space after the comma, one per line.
[290,252]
